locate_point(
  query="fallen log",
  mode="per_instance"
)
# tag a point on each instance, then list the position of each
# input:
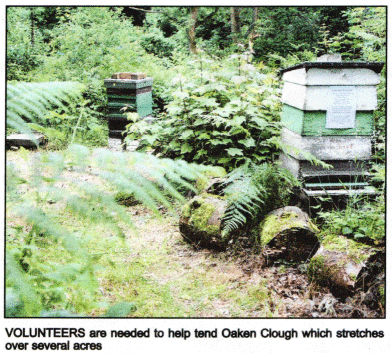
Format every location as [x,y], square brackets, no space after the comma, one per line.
[346,271]
[200,222]
[288,233]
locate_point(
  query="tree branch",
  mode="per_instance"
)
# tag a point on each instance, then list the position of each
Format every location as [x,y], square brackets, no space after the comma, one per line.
[139,9]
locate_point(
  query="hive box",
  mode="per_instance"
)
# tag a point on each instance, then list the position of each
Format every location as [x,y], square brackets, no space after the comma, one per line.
[127,96]
[328,112]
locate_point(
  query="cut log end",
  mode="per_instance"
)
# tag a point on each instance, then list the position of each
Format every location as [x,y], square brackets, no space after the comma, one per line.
[343,274]
[288,233]
[200,222]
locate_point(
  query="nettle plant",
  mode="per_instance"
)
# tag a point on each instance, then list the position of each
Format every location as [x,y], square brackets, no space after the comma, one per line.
[224,113]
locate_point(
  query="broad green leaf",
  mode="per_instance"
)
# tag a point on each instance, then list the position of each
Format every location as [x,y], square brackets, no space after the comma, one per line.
[250,142]
[181,94]
[197,111]
[238,79]
[186,134]
[203,136]
[220,141]
[239,119]
[199,121]
[200,153]
[186,148]
[234,152]
[260,122]
[208,102]
[224,160]
[151,138]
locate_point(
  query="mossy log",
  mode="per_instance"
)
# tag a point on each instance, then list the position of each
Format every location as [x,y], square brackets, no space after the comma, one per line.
[344,272]
[288,233]
[200,221]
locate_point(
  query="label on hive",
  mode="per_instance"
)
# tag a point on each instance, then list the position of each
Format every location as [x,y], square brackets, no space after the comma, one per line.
[342,107]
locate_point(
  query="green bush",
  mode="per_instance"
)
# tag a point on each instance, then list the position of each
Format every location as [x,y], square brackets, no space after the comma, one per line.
[223,113]
[361,220]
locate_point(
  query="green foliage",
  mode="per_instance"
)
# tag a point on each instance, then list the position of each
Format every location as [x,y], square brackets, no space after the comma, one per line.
[88,45]
[30,101]
[73,117]
[154,42]
[24,42]
[36,285]
[366,40]
[78,123]
[223,113]
[253,191]
[280,30]
[144,176]
[361,220]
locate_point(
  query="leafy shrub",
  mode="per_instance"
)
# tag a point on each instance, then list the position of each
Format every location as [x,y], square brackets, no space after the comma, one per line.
[28,102]
[361,220]
[88,45]
[20,60]
[72,121]
[154,42]
[222,113]
[24,43]
[366,40]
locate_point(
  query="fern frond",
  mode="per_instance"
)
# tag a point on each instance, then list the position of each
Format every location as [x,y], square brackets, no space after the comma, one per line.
[21,299]
[30,101]
[252,191]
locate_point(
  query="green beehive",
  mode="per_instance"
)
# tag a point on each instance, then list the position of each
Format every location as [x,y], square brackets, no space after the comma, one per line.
[328,112]
[127,93]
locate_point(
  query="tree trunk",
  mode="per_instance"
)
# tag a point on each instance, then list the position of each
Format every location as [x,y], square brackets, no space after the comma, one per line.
[192,30]
[32,26]
[255,13]
[288,233]
[235,23]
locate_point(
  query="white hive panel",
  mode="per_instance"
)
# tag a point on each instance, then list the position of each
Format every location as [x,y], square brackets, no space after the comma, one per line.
[326,77]
[315,98]
[328,147]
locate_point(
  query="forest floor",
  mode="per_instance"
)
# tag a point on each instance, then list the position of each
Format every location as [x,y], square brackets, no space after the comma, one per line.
[205,283]
[166,277]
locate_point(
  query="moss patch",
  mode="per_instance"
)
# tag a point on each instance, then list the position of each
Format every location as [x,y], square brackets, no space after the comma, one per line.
[272,225]
[199,211]
[356,251]
[200,221]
